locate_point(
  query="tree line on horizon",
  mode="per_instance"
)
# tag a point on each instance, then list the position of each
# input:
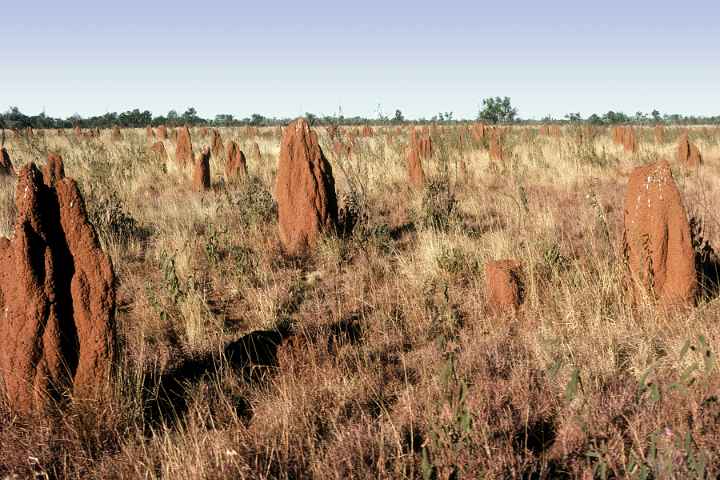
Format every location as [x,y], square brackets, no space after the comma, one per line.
[494,111]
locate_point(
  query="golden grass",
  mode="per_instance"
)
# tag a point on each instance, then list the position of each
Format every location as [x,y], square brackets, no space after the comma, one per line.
[382,361]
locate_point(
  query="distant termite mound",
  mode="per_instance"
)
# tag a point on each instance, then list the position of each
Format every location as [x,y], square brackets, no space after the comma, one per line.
[183,148]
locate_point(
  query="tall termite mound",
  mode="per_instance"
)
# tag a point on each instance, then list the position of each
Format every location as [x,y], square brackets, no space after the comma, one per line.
[256,155]
[305,190]
[116,134]
[57,294]
[54,169]
[6,166]
[216,144]
[687,153]
[657,240]
[201,171]
[503,285]
[235,165]
[183,148]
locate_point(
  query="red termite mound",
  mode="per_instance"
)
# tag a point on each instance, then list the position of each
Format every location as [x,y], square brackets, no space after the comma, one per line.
[158,149]
[183,148]
[305,190]
[57,334]
[54,169]
[162,133]
[6,166]
[422,143]
[657,239]
[659,134]
[116,135]
[235,165]
[416,174]
[503,285]
[216,144]
[629,141]
[687,153]
[256,155]
[201,171]
[496,150]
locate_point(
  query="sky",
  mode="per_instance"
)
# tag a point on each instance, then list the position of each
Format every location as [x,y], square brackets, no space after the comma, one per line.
[284,58]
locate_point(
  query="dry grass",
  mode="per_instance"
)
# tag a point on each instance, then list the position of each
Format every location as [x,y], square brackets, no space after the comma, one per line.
[375,356]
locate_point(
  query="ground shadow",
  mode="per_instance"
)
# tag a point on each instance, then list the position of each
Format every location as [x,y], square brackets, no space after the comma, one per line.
[251,357]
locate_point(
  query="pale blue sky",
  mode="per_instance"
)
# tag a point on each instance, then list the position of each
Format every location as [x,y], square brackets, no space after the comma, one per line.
[284,58]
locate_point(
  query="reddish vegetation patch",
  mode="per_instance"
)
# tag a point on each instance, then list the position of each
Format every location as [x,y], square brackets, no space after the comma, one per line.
[503,285]
[367,131]
[162,133]
[235,165]
[657,237]
[687,153]
[183,150]
[201,171]
[58,298]
[54,170]
[6,166]
[305,190]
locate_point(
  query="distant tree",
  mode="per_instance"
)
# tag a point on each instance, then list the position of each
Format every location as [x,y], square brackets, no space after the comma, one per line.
[497,110]
[224,119]
[190,117]
[311,118]
[398,118]
[173,118]
[257,119]
[656,116]
[573,117]
[595,119]
[615,117]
